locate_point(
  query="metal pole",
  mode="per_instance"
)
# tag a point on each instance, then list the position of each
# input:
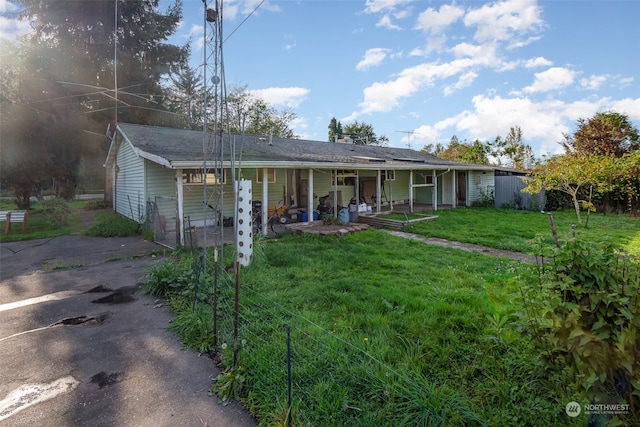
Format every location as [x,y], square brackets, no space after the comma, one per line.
[236,309]
[288,375]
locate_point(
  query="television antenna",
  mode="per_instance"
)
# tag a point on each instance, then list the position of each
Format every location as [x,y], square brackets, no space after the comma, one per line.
[409,134]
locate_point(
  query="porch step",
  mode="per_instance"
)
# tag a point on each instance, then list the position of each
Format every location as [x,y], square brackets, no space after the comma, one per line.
[395,224]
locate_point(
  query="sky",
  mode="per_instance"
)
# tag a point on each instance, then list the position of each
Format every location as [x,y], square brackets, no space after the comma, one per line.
[421,72]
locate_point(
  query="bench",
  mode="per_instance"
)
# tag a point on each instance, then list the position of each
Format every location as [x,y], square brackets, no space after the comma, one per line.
[10,217]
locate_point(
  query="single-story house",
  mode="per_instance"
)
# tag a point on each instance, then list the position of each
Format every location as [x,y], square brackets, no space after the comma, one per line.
[179,176]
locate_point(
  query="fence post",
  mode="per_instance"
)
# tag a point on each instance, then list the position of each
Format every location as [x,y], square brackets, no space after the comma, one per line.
[288,375]
[235,316]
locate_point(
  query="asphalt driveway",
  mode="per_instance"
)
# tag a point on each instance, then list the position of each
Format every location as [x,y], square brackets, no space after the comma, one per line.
[81,345]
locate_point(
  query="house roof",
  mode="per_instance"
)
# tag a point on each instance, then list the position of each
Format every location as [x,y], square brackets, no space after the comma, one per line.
[179,148]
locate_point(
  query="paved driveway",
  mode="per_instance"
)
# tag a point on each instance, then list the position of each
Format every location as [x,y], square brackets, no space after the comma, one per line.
[81,345]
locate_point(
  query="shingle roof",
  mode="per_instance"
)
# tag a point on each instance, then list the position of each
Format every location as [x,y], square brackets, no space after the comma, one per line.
[178,148]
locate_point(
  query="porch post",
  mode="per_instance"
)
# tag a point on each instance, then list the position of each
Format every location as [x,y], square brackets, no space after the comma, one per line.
[378,190]
[391,190]
[180,209]
[265,199]
[335,193]
[310,197]
[411,191]
[454,196]
[435,191]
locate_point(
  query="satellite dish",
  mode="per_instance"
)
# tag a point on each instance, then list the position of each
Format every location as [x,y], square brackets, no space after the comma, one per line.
[215,80]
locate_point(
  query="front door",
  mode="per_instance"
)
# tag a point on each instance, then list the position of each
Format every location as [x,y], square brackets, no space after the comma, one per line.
[461,190]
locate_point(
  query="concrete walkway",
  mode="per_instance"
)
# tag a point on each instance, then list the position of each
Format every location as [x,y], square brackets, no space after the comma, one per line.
[81,345]
[517,256]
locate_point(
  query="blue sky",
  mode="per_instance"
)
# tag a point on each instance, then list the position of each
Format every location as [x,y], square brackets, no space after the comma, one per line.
[467,68]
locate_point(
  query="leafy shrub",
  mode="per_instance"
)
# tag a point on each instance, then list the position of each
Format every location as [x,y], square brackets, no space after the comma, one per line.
[114,225]
[585,311]
[94,204]
[486,198]
[56,209]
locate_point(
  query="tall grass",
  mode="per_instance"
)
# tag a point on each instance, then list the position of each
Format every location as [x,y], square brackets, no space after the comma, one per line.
[523,231]
[387,331]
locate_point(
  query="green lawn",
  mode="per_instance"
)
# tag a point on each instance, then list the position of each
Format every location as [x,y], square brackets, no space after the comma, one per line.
[39,225]
[522,230]
[430,328]
[387,331]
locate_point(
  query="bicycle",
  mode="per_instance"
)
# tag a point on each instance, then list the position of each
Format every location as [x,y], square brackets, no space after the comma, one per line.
[278,217]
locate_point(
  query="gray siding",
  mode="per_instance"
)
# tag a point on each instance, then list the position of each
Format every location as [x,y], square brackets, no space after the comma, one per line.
[508,193]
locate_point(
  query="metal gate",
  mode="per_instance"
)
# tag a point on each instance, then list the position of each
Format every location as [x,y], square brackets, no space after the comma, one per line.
[161,219]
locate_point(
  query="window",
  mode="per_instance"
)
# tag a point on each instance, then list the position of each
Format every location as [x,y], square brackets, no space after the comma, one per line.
[388,175]
[196,177]
[271,175]
[345,176]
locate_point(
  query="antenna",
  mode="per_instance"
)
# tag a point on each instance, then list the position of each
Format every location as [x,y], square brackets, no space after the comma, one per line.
[115,59]
[409,133]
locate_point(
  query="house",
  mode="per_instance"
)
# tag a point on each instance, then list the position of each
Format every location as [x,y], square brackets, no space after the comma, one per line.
[157,174]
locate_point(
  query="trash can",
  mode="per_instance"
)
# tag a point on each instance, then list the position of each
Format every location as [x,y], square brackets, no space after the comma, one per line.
[353,212]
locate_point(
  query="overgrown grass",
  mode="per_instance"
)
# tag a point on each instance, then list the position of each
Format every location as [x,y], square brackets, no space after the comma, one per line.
[522,231]
[110,224]
[385,332]
[39,225]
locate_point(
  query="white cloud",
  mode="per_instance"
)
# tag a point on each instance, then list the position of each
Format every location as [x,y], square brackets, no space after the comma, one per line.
[625,81]
[465,80]
[290,97]
[375,6]
[10,26]
[385,22]
[435,22]
[504,20]
[372,58]
[628,106]
[593,82]
[196,34]
[551,79]
[537,62]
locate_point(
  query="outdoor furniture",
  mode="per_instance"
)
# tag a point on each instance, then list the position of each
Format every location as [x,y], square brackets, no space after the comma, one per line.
[10,217]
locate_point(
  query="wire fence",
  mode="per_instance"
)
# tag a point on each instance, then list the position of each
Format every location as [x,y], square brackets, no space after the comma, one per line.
[292,371]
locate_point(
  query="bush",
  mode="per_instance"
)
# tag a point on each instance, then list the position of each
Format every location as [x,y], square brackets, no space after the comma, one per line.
[56,209]
[96,204]
[585,311]
[114,225]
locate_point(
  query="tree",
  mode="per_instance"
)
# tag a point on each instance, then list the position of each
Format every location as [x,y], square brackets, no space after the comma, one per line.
[186,96]
[604,134]
[63,78]
[464,152]
[363,134]
[246,113]
[512,151]
[335,130]
[569,174]
[434,150]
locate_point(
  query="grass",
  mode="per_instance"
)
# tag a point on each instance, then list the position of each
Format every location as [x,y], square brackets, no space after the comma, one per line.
[420,325]
[386,331]
[39,225]
[522,231]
